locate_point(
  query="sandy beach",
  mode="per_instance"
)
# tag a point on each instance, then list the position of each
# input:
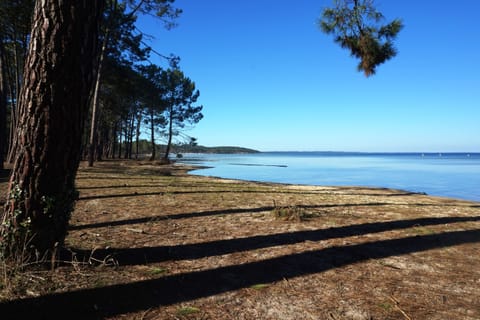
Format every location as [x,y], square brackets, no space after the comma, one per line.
[152,242]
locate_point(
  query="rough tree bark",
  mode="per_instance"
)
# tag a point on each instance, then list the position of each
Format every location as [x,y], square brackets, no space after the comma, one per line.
[58,77]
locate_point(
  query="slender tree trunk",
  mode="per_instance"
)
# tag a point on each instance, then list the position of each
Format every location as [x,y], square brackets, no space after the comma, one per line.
[130,135]
[17,83]
[99,146]
[170,135]
[106,142]
[126,139]
[137,135]
[58,78]
[3,106]
[152,132]
[95,107]
[11,131]
[95,101]
[13,111]
[18,67]
[120,140]
[13,117]
[114,141]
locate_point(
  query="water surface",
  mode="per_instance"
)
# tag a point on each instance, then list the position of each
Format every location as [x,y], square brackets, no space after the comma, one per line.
[454,175]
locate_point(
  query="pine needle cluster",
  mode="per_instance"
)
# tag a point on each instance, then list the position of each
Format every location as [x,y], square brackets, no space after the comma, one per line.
[357,26]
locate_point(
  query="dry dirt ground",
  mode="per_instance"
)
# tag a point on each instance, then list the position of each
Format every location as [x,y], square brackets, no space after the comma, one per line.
[152,242]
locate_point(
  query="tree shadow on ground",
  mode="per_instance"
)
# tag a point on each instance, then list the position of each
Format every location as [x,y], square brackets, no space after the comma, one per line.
[114,223]
[4,175]
[138,194]
[236,190]
[118,299]
[144,255]
[125,186]
[209,213]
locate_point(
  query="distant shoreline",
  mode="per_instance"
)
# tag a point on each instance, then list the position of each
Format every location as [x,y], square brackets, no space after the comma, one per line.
[449,175]
[213,150]
[238,150]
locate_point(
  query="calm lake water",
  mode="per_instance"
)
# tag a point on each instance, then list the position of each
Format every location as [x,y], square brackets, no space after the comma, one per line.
[454,175]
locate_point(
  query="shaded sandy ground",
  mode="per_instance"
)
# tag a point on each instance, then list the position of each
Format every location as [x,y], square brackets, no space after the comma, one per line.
[151,242]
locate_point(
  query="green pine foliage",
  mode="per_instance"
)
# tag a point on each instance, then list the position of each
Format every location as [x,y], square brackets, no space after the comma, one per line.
[357,26]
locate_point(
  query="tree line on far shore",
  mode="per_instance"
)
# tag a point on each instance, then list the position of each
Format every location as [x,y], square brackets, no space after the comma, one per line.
[144,149]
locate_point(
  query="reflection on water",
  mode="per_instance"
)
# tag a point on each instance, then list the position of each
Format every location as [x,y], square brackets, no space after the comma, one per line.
[449,174]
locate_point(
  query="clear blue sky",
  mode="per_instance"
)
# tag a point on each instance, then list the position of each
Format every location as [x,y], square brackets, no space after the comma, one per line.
[271,80]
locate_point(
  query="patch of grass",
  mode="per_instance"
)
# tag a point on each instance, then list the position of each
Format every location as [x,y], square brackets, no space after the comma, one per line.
[185,311]
[386,306]
[157,270]
[422,231]
[100,283]
[291,213]
[259,286]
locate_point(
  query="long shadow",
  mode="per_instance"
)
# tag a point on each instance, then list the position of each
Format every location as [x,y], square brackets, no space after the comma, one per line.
[142,295]
[162,184]
[159,193]
[154,172]
[116,223]
[4,175]
[112,178]
[137,194]
[144,255]
[212,213]
[121,186]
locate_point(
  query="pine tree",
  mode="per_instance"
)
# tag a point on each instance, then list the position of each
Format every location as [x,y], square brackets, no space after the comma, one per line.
[53,104]
[356,26]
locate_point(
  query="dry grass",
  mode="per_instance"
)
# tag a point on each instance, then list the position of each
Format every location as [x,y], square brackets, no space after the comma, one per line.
[151,242]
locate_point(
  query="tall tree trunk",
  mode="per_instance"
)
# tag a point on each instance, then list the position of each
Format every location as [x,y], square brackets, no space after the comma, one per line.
[170,135]
[95,101]
[99,146]
[114,140]
[11,131]
[152,132]
[120,140]
[127,138]
[95,105]
[13,111]
[137,133]
[18,57]
[3,106]
[130,135]
[106,143]
[58,78]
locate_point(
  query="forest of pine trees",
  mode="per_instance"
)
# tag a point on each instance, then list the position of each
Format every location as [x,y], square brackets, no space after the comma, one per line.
[129,93]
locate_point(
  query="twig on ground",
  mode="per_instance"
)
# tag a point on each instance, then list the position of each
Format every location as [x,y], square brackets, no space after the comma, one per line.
[395,301]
